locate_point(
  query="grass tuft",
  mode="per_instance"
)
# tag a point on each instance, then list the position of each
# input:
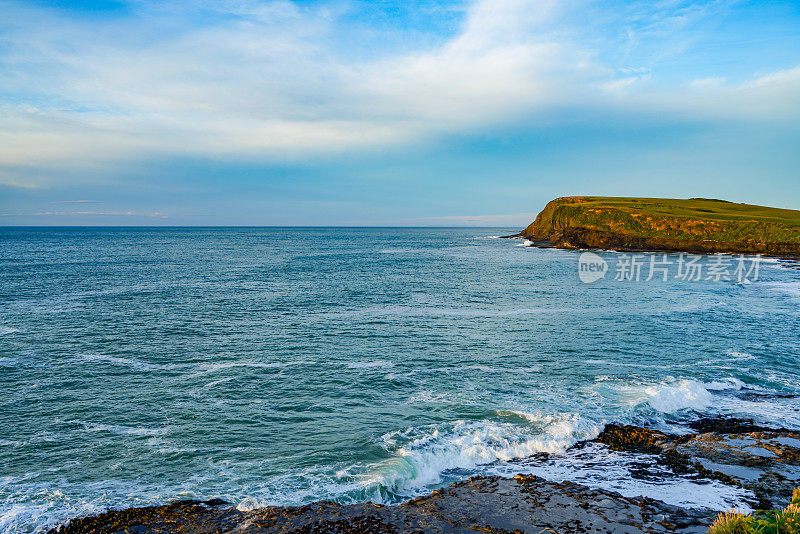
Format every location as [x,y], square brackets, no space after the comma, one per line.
[786,521]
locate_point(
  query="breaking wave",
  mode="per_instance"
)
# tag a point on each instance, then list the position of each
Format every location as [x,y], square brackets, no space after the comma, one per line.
[425,457]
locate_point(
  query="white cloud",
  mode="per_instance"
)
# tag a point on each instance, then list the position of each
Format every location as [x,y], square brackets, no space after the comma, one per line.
[84,214]
[620,85]
[266,80]
[263,83]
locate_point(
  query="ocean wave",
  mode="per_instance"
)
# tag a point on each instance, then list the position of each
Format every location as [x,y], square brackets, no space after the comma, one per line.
[404,250]
[789,288]
[725,384]
[222,366]
[526,243]
[428,396]
[123,362]
[739,356]
[38,506]
[570,427]
[621,364]
[428,311]
[684,394]
[421,458]
[4,330]
[667,397]
[383,364]
[122,430]
[661,403]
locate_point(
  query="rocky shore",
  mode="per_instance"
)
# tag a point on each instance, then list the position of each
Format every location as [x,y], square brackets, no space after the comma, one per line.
[696,225]
[763,462]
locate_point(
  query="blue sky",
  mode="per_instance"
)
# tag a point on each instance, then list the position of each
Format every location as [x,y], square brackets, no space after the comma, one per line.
[245,112]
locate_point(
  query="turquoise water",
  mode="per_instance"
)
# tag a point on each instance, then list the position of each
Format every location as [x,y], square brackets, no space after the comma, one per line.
[286,365]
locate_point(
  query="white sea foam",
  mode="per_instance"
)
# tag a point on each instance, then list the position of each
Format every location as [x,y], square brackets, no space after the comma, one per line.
[421,457]
[684,394]
[123,362]
[739,356]
[425,311]
[721,396]
[217,382]
[122,430]
[477,367]
[526,243]
[668,397]
[400,250]
[428,396]
[4,330]
[569,427]
[729,383]
[595,466]
[39,506]
[622,364]
[222,366]
[248,504]
[383,364]
[791,289]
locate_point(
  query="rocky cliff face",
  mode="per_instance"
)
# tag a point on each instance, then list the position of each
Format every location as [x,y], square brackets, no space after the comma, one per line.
[693,225]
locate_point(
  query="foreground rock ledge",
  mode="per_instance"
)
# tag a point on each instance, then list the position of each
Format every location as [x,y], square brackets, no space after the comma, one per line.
[480,504]
[763,461]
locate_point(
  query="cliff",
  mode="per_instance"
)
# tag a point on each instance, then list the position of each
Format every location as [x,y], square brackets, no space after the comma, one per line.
[659,224]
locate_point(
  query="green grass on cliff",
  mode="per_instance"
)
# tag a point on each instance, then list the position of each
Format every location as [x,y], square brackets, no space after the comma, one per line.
[701,208]
[691,219]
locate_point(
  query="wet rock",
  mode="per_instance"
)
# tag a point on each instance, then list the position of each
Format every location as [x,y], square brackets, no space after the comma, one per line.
[764,460]
[732,425]
[481,504]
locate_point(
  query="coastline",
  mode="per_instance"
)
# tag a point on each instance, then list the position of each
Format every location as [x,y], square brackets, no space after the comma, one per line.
[623,243]
[698,226]
[762,461]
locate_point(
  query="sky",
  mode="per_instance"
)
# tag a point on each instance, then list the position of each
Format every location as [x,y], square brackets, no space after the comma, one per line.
[389,113]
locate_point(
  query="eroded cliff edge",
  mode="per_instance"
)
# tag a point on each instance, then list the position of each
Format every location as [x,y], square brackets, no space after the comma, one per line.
[672,225]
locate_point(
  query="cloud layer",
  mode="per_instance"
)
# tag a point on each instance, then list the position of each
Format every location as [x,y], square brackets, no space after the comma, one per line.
[277,81]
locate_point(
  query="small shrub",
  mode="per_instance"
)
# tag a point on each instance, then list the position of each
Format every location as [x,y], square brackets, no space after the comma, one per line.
[786,521]
[732,523]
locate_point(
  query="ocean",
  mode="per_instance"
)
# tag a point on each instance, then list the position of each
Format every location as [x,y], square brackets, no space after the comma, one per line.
[287,365]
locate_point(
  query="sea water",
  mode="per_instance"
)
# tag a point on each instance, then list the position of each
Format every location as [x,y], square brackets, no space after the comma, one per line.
[286,365]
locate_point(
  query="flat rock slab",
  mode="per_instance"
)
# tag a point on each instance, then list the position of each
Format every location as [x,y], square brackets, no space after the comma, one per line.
[737,452]
[482,504]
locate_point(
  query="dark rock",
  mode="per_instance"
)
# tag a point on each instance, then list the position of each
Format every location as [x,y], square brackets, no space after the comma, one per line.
[738,452]
[729,426]
[480,504]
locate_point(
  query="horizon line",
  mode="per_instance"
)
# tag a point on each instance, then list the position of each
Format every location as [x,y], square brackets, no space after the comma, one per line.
[242,226]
